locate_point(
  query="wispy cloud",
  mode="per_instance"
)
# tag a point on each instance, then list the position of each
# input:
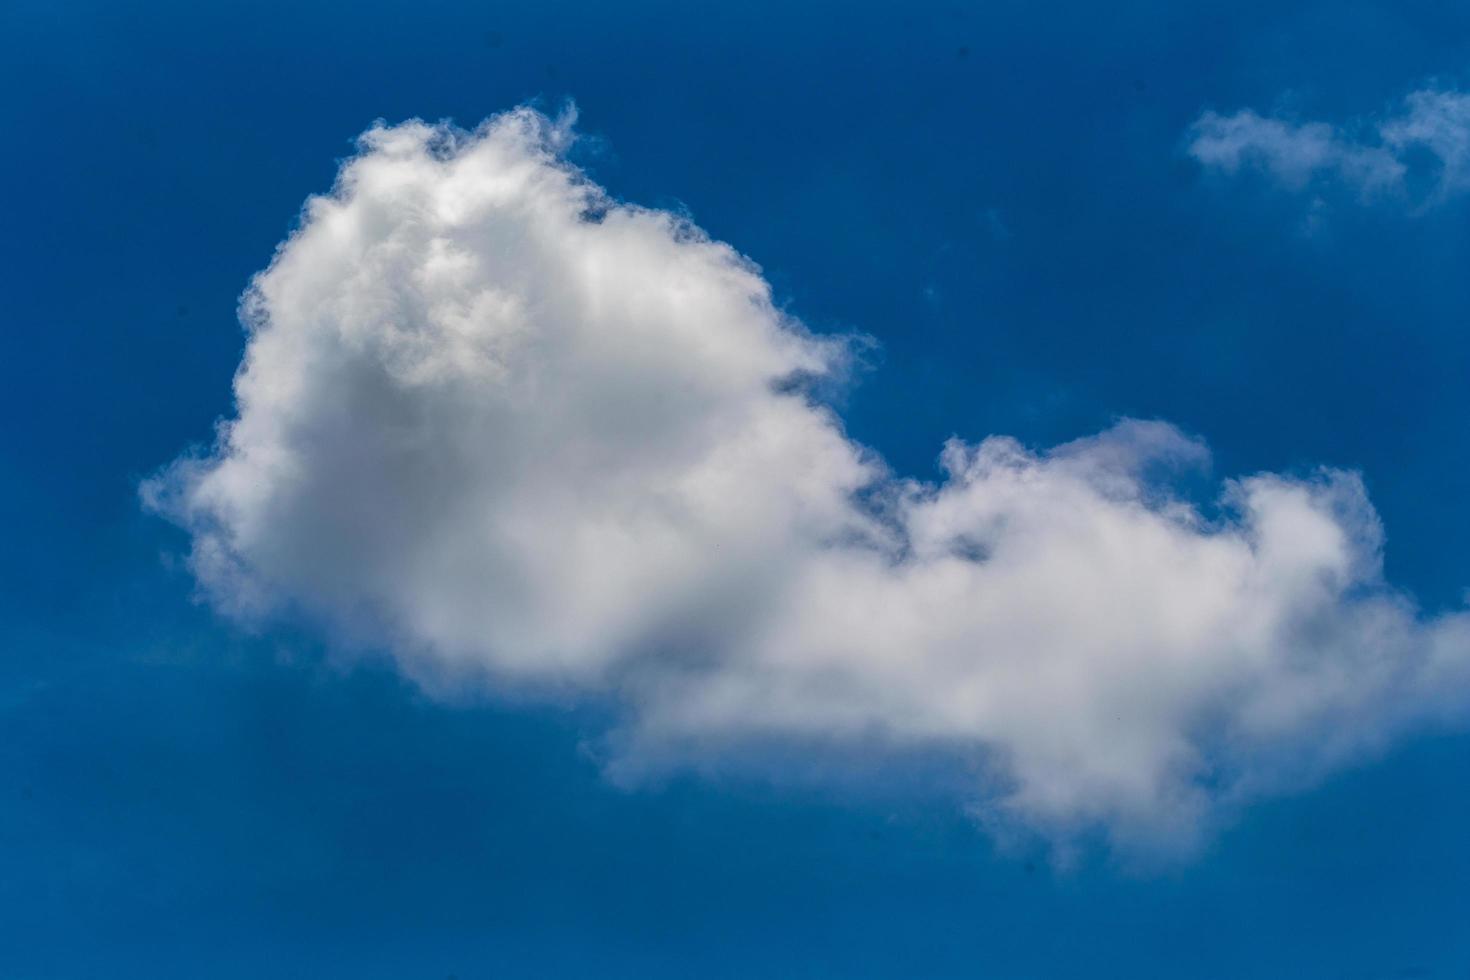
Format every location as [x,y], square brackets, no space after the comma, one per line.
[525,436]
[1377,158]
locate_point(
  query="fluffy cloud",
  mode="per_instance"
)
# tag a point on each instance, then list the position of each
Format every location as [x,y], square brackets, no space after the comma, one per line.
[524,436]
[1376,160]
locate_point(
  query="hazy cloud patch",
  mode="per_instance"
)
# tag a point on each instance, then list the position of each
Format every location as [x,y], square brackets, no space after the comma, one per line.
[1419,154]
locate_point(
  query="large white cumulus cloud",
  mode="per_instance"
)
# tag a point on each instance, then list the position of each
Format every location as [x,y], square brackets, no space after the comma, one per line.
[522,435]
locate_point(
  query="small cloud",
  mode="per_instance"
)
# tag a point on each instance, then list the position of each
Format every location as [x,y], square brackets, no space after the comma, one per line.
[1420,155]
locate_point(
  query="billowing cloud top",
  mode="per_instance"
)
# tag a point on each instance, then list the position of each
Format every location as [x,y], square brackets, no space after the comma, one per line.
[522,435]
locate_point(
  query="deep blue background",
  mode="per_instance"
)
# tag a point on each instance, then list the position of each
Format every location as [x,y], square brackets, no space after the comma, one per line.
[998,194]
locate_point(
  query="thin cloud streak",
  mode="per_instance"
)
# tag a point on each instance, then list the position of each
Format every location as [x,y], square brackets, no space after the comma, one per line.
[1376,158]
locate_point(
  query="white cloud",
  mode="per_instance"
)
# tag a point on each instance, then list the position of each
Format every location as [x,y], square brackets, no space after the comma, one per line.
[1376,159]
[524,436]
[1438,122]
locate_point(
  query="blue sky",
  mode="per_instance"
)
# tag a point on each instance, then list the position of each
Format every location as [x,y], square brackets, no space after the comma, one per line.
[1007,200]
